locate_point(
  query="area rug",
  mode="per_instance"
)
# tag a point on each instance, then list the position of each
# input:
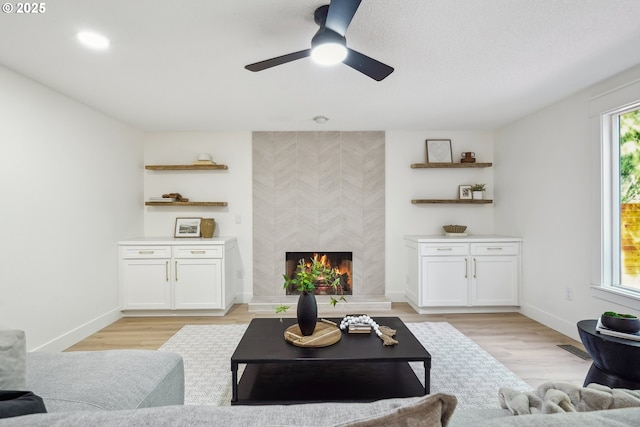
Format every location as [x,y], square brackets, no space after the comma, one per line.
[458,365]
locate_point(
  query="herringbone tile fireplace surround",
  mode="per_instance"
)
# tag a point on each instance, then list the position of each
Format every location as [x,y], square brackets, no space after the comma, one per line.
[318,191]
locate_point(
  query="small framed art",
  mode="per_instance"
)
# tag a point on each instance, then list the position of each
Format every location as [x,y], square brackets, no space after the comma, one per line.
[439,151]
[465,192]
[187,227]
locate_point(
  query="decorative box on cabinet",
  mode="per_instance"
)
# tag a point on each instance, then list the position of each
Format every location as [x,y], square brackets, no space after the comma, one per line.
[462,274]
[162,276]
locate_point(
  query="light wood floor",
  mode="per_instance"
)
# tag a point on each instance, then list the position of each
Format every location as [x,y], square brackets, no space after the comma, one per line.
[526,347]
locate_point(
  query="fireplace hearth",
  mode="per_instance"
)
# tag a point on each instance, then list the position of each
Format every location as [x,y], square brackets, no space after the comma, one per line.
[340,262]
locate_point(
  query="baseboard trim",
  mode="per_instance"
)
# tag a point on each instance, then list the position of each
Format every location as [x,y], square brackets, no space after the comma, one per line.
[76,335]
[554,322]
[396,296]
[243,298]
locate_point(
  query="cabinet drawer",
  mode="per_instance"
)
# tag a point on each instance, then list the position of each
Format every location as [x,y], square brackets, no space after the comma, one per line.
[138,252]
[497,248]
[197,252]
[444,249]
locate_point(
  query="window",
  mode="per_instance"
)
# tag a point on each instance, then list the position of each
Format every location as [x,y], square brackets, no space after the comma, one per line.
[607,112]
[621,198]
[628,132]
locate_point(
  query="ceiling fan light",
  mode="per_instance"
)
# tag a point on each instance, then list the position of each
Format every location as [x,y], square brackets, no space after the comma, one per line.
[329,53]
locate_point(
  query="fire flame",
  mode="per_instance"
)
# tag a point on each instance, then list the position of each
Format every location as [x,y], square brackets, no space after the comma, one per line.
[324,261]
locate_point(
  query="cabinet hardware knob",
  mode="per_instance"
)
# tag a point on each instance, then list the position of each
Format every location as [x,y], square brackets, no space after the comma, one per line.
[176,271]
[166,271]
[475,268]
[466,268]
[197,252]
[445,249]
[494,249]
[145,252]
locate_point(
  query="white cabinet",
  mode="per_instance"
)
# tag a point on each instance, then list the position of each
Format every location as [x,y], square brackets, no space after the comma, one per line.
[161,276]
[462,274]
[495,269]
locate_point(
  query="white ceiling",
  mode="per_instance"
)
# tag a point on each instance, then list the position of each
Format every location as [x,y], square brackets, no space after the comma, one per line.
[459,64]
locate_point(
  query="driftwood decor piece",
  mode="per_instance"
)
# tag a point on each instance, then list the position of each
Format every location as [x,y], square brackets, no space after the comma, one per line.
[387,335]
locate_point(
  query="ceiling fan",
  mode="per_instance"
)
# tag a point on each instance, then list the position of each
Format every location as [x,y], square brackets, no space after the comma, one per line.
[329,45]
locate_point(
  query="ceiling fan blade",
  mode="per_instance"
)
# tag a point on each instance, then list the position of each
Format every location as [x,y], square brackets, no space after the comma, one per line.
[340,14]
[369,66]
[279,60]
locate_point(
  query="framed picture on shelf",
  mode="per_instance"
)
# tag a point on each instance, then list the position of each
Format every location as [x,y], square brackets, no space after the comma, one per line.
[465,192]
[187,227]
[439,151]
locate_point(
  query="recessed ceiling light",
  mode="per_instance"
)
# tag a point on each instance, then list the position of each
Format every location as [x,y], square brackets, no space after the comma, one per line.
[93,40]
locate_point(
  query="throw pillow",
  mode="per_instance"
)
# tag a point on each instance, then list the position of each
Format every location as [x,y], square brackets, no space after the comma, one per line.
[13,360]
[433,410]
[17,403]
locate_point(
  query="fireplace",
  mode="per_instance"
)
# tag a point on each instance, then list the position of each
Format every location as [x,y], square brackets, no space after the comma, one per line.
[340,262]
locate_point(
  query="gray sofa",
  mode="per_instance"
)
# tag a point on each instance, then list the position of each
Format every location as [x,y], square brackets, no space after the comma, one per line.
[383,413]
[106,380]
[91,380]
[146,388]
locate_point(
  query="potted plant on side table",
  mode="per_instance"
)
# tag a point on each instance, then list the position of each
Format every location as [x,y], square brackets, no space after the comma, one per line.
[304,279]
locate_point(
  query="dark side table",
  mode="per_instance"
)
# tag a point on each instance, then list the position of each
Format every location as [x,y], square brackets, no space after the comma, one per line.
[616,361]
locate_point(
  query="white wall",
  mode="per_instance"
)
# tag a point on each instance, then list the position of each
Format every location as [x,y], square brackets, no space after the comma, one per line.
[71,187]
[546,167]
[232,186]
[404,184]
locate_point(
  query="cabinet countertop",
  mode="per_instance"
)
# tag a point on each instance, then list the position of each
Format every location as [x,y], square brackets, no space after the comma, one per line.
[184,241]
[469,238]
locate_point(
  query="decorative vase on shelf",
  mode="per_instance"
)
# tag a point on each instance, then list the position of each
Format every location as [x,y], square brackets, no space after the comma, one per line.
[477,195]
[207,227]
[307,313]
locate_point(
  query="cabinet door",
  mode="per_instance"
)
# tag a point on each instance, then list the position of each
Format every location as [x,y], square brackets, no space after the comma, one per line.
[494,280]
[145,284]
[444,281]
[198,283]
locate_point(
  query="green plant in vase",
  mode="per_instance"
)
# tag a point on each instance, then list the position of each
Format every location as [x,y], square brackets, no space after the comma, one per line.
[477,190]
[305,278]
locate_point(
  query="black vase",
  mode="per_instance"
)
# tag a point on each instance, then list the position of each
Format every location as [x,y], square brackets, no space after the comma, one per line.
[307,313]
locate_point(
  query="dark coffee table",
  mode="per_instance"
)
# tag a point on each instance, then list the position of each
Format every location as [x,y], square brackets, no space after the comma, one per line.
[358,368]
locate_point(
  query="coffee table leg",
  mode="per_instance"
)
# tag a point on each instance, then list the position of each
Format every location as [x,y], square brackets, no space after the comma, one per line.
[234,382]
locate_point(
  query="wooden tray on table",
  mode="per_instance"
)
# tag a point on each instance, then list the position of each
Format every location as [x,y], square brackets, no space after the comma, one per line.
[324,335]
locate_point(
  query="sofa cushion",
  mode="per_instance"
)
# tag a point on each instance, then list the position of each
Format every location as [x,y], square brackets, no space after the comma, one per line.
[297,415]
[106,380]
[13,363]
[624,417]
[435,410]
[310,414]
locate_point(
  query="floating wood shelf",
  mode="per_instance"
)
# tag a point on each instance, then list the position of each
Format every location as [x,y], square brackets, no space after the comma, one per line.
[449,165]
[453,201]
[185,203]
[184,167]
